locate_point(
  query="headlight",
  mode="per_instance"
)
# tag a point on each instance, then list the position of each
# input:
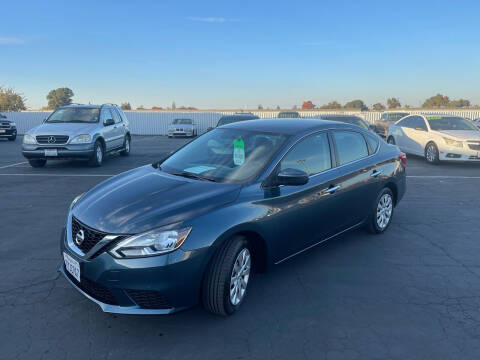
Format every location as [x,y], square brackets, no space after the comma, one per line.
[452,142]
[13,124]
[29,139]
[75,201]
[81,139]
[152,243]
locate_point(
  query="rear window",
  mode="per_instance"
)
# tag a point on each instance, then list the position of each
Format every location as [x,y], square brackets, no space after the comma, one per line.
[372,143]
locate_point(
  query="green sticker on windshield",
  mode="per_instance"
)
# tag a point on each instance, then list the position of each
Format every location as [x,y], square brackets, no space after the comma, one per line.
[434,117]
[238,151]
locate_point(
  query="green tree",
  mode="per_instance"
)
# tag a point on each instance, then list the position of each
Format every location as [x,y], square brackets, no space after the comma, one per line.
[260,107]
[378,107]
[331,105]
[356,104]
[10,100]
[393,103]
[59,97]
[437,101]
[460,103]
[126,106]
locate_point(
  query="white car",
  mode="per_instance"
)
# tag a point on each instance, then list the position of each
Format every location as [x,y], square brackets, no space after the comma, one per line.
[436,137]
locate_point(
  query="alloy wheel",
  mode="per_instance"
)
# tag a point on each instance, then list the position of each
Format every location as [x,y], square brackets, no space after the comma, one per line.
[384,211]
[431,153]
[240,276]
[99,154]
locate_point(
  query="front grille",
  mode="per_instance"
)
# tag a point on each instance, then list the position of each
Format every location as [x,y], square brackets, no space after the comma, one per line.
[95,290]
[474,146]
[4,125]
[148,299]
[91,236]
[52,139]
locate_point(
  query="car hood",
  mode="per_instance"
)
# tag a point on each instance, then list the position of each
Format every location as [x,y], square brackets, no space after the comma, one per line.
[62,129]
[462,134]
[146,198]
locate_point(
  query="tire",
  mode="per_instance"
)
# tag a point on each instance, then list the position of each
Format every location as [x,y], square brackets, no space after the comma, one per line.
[391,140]
[13,138]
[37,163]
[219,282]
[126,146]
[383,206]
[98,154]
[431,153]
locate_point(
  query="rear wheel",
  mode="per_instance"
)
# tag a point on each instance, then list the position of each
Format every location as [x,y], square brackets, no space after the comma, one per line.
[126,146]
[226,280]
[36,163]
[391,140]
[98,154]
[382,212]
[431,153]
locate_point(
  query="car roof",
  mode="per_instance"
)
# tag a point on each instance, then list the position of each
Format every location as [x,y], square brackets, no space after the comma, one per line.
[291,126]
[87,106]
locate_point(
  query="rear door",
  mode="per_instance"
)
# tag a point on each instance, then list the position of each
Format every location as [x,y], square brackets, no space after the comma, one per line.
[415,135]
[119,129]
[108,131]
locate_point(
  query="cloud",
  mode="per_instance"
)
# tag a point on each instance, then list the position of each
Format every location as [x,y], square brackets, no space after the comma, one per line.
[4,40]
[212,19]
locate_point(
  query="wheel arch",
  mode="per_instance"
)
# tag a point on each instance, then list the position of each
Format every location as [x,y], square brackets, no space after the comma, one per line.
[394,189]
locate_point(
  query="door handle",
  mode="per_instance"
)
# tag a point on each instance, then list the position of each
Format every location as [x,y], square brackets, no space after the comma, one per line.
[332,189]
[376,173]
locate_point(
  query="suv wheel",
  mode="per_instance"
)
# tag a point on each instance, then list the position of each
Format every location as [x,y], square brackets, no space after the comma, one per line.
[36,163]
[98,154]
[382,212]
[126,146]
[226,280]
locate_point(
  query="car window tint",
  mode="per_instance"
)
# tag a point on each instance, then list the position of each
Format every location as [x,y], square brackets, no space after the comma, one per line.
[116,117]
[106,114]
[418,122]
[372,143]
[311,155]
[350,146]
[407,122]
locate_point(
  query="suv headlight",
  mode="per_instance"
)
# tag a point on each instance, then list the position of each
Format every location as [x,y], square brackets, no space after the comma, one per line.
[452,142]
[81,139]
[29,139]
[155,242]
[13,124]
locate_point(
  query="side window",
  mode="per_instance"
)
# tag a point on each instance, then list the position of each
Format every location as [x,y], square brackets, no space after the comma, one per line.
[418,122]
[351,146]
[407,122]
[372,143]
[122,114]
[116,117]
[311,155]
[106,114]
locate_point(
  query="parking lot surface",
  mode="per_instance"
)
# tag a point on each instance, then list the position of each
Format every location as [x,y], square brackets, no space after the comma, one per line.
[411,293]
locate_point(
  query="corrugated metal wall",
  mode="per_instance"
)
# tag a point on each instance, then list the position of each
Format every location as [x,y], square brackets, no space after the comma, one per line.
[156,123]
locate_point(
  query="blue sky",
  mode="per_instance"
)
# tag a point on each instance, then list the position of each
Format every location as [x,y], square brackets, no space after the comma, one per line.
[224,54]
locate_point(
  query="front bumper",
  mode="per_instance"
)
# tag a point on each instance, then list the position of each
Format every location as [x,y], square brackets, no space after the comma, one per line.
[465,154]
[153,285]
[8,132]
[80,151]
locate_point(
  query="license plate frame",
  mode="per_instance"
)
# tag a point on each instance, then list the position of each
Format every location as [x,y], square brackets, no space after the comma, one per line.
[51,152]
[72,266]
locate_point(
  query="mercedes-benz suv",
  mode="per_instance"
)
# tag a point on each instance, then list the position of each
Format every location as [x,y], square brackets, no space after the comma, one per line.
[78,132]
[8,128]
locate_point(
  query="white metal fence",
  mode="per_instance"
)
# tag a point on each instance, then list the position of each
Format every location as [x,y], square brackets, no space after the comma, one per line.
[156,123]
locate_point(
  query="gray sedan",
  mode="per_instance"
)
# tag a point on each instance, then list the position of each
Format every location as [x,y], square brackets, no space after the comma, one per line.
[182,127]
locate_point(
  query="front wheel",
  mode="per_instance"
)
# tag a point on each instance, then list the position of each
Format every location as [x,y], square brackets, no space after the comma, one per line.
[98,154]
[226,280]
[431,154]
[382,212]
[37,163]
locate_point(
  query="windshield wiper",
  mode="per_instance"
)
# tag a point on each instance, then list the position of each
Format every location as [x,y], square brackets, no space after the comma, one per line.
[193,176]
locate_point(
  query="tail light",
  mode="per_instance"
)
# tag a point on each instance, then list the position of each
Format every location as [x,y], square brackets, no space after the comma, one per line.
[403,159]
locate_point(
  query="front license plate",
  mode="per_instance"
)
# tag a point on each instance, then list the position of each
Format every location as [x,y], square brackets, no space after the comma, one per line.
[72,266]
[2,131]
[51,152]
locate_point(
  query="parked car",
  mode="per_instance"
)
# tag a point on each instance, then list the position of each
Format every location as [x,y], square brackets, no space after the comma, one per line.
[182,127]
[437,137]
[230,119]
[78,132]
[350,119]
[8,128]
[241,197]
[288,115]
[477,122]
[382,125]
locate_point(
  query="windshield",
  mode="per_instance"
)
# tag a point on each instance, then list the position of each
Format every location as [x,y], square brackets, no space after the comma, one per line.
[440,123]
[226,155]
[394,117]
[74,115]
[183,121]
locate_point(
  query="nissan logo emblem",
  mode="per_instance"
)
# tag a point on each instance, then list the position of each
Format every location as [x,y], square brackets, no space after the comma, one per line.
[79,237]
[51,139]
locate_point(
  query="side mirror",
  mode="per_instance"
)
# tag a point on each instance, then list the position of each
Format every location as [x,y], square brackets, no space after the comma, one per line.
[292,177]
[109,122]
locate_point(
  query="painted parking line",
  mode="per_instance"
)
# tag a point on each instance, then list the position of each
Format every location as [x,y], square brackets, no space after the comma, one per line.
[441,177]
[11,165]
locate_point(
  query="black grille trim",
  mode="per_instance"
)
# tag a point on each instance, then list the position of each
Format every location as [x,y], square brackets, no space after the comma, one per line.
[5,125]
[95,290]
[474,146]
[58,139]
[149,299]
